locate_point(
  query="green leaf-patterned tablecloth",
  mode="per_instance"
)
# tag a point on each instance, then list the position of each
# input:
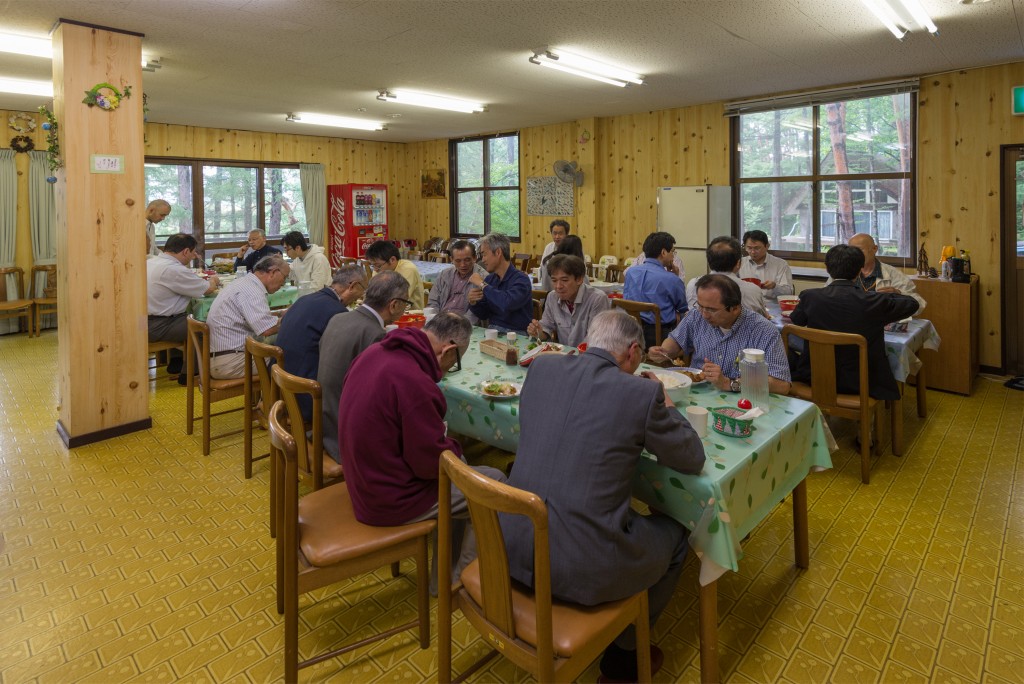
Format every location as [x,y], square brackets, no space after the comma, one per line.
[743,479]
[429,270]
[286,296]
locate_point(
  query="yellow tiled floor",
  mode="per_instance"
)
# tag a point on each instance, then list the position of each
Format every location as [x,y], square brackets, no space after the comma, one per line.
[140,559]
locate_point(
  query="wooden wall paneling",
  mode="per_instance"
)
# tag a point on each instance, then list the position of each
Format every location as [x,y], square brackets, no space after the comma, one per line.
[101,288]
[586,195]
[539,148]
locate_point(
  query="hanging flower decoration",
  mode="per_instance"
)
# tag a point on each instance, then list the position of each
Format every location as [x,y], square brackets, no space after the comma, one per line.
[106,96]
[53,159]
[22,143]
[21,123]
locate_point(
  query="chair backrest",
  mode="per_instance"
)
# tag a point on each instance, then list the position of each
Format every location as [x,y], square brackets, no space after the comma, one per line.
[286,481]
[310,464]
[821,344]
[440,257]
[19,279]
[626,263]
[261,353]
[198,351]
[608,260]
[49,282]
[415,256]
[522,261]
[486,498]
[539,298]
[634,309]
[613,273]
[367,267]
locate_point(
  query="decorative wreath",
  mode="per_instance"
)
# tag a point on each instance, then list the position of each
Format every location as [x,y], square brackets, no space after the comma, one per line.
[21,123]
[22,143]
[107,101]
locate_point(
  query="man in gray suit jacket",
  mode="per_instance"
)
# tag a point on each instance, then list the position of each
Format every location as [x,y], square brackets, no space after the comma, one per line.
[585,421]
[386,299]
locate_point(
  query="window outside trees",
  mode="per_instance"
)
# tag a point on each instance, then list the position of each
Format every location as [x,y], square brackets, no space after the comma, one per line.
[813,176]
[485,186]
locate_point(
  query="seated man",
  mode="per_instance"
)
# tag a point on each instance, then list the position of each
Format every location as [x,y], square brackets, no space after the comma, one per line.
[345,337]
[879,277]
[571,305]
[724,255]
[653,282]
[774,273]
[384,256]
[240,311]
[843,306]
[601,549]
[676,267]
[170,286]
[257,248]
[303,325]
[452,285]
[716,338]
[505,297]
[392,429]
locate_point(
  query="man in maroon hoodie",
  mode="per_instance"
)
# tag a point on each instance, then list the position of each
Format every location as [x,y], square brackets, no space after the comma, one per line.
[391,429]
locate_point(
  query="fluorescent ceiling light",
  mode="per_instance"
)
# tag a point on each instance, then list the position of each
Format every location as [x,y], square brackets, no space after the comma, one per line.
[885,15]
[571,63]
[26,45]
[20,86]
[335,121]
[920,15]
[893,14]
[433,101]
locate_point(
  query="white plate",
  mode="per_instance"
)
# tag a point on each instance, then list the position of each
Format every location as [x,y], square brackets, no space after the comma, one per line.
[542,347]
[692,370]
[499,397]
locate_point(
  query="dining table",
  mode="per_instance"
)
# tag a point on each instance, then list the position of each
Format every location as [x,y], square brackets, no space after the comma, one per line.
[199,307]
[429,270]
[743,479]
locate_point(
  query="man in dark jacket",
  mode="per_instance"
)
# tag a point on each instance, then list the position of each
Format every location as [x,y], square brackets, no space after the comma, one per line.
[256,248]
[843,306]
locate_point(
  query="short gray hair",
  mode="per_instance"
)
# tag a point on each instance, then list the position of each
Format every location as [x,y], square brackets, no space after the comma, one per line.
[258,230]
[346,275]
[614,331]
[271,262]
[450,326]
[385,287]
[497,242]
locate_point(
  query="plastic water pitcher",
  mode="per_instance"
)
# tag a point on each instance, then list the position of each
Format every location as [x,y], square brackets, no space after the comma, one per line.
[754,378]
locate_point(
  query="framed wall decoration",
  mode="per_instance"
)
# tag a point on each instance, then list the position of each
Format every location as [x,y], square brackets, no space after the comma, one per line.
[433,183]
[547,196]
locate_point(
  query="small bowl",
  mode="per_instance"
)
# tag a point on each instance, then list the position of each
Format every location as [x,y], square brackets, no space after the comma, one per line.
[787,303]
[756,281]
[725,422]
[677,385]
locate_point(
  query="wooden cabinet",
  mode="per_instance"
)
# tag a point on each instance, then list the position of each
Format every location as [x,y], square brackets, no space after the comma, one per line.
[953,310]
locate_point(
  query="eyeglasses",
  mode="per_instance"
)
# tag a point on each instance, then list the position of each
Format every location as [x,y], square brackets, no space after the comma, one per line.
[376,265]
[708,310]
[407,303]
[458,359]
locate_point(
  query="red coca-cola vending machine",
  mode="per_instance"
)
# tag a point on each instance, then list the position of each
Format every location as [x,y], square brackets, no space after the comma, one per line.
[357,216]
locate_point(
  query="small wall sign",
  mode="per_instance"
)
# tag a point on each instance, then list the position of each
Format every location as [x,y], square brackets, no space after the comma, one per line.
[1017,100]
[106,163]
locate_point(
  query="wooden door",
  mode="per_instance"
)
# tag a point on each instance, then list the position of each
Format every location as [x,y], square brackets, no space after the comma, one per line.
[1013,258]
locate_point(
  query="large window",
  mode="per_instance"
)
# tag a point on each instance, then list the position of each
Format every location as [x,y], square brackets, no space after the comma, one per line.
[221,201]
[812,176]
[485,186]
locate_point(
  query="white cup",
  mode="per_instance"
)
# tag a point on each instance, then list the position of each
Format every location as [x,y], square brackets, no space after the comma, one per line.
[429,311]
[241,270]
[698,417]
[510,337]
[491,334]
[389,328]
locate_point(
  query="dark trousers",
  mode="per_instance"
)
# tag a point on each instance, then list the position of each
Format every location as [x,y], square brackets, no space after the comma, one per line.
[168,329]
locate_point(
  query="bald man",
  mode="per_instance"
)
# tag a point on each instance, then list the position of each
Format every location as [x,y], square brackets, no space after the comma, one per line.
[156,212]
[879,277]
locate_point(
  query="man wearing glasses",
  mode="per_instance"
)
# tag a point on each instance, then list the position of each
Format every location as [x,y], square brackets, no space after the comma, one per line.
[392,430]
[719,330]
[304,324]
[384,256]
[345,337]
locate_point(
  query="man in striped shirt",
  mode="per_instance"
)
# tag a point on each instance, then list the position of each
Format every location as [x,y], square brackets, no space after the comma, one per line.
[716,334]
[240,311]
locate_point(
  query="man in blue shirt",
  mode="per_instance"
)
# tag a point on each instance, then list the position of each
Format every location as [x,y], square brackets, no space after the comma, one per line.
[717,333]
[653,282]
[306,319]
[255,249]
[505,297]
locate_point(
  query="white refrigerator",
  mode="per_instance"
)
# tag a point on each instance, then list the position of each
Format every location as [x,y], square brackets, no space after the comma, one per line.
[694,214]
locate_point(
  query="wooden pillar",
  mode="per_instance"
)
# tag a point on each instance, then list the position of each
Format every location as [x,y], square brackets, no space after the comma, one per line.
[101,244]
[586,195]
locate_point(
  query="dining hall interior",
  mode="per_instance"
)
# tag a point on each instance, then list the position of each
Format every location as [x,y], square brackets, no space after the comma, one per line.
[129,554]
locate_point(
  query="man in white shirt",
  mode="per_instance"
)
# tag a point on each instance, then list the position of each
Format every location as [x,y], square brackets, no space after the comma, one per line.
[170,286]
[724,255]
[240,311]
[559,229]
[774,274]
[156,212]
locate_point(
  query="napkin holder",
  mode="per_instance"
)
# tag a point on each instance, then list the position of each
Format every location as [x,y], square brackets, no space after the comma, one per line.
[501,351]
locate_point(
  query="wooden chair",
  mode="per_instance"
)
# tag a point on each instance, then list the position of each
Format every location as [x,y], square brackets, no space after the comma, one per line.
[539,298]
[821,344]
[634,309]
[366,267]
[320,542]
[316,468]
[158,350]
[47,304]
[554,641]
[440,258]
[257,404]
[19,307]
[522,261]
[415,256]
[197,350]
[613,273]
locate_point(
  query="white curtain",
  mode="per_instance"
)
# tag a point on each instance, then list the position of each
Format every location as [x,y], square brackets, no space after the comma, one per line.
[43,223]
[314,196]
[8,228]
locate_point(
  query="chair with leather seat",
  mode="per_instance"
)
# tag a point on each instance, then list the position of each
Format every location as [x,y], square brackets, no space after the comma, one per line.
[634,309]
[259,355]
[316,468]
[46,304]
[19,306]
[553,640]
[197,351]
[320,542]
[821,344]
